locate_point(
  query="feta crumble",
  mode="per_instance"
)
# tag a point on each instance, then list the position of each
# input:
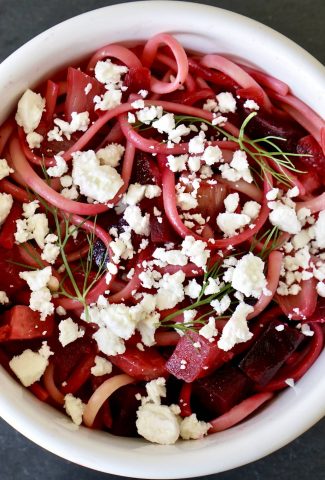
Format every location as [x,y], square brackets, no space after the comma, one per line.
[69,332]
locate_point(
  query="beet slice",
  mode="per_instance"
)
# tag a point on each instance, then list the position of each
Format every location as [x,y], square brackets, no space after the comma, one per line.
[269,353]
[218,393]
[22,323]
[145,365]
[145,170]
[198,362]
[124,406]
[136,79]
[161,232]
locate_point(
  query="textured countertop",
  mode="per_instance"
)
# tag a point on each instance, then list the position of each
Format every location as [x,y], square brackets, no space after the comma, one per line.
[303,22]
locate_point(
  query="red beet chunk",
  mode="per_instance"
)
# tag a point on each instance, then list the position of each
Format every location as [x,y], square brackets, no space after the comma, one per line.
[10,281]
[161,232]
[145,170]
[199,361]
[218,393]
[8,230]
[124,408]
[21,323]
[316,161]
[264,124]
[269,353]
[145,365]
[77,100]
[66,359]
[137,78]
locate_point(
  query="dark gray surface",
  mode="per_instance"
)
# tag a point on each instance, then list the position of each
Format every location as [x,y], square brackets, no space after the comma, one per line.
[302,21]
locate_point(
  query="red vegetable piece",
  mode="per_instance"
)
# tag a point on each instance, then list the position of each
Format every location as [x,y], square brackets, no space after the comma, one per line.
[145,170]
[77,100]
[210,200]
[315,162]
[139,365]
[8,229]
[21,323]
[301,306]
[161,232]
[251,93]
[66,359]
[199,361]
[218,78]
[218,393]
[10,281]
[124,406]
[319,314]
[137,78]
[269,353]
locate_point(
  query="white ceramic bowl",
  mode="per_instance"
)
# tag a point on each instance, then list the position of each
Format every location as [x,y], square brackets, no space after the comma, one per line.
[205,29]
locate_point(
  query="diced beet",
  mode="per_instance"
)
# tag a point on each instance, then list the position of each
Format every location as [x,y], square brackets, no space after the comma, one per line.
[161,232]
[77,100]
[137,78]
[269,353]
[264,124]
[218,393]
[316,161]
[8,229]
[66,359]
[10,281]
[145,170]
[145,365]
[198,362]
[124,406]
[319,314]
[22,323]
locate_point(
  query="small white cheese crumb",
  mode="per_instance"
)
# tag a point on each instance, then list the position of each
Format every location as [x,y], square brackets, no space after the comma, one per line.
[158,424]
[34,140]
[236,329]
[6,202]
[37,279]
[321,289]
[30,366]
[138,223]
[29,111]
[290,382]
[229,223]
[209,331]
[285,218]
[226,102]
[231,202]
[192,428]
[74,408]
[101,367]
[3,298]
[111,154]
[319,229]
[251,105]
[59,169]
[5,170]
[69,331]
[248,276]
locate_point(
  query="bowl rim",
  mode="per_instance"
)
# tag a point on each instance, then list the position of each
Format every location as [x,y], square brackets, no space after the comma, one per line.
[199,461]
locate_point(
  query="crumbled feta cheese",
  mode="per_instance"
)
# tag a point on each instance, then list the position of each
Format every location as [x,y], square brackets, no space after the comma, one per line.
[5,170]
[195,250]
[134,194]
[30,366]
[40,301]
[170,291]
[197,143]
[306,330]
[101,367]
[231,202]
[34,227]
[251,105]
[236,329]
[87,88]
[139,103]
[109,73]
[248,276]
[252,209]
[34,140]
[226,102]
[192,428]
[212,155]
[285,218]
[148,114]
[29,111]
[171,257]
[272,194]
[158,424]
[59,169]
[212,287]
[99,182]
[60,310]
[131,117]
[110,100]
[108,343]
[237,169]
[111,154]
[3,298]
[79,123]
[193,289]
[321,289]
[138,223]
[37,279]
[229,223]
[165,124]
[6,202]
[156,389]
[220,306]
[74,408]
[152,191]
[209,331]
[290,382]
[66,181]
[186,201]
[69,331]
[177,163]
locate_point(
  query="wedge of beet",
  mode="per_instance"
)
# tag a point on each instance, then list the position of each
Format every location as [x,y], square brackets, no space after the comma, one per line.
[218,393]
[161,232]
[315,161]
[137,78]
[270,352]
[145,170]
[21,323]
[189,361]
[124,406]
[145,365]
